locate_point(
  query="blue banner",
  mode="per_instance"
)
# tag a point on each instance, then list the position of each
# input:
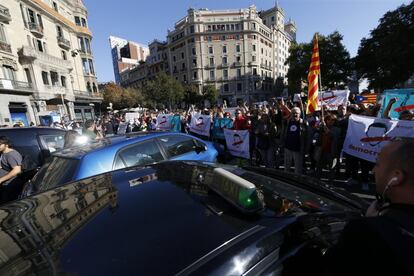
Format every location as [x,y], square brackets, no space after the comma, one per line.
[19,118]
[219,125]
[405,101]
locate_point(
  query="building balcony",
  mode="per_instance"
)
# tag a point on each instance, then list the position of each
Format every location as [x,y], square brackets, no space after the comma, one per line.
[5,47]
[265,66]
[88,95]
[36,29]
[196,81]
[212,79]
[5,16]
[210,66]
[183,69]
[63,43]
[16,86]
[56,89]
[29,54]
[237,64]
[253,63]
[224,65]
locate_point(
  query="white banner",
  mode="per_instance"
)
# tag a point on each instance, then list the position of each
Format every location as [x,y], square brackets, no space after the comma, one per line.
[164,122]
[200,124]
[333,99]
[238,142]
[366,136]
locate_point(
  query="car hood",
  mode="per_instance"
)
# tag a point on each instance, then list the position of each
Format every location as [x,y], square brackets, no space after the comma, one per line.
[156,220]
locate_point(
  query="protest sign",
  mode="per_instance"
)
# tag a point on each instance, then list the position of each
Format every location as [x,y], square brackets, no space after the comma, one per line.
[333,99]
[219,125]
[164,122]
[405,101]
[200,124]
[238,142]
[366,136]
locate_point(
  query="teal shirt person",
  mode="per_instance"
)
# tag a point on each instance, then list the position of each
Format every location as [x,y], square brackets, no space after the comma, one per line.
[175,123]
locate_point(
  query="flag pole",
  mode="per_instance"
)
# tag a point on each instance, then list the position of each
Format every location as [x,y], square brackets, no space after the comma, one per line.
[320,77]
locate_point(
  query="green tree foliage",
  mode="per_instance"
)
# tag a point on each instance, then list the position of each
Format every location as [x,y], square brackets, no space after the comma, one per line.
[120,97]
[386,57]
[164,91]
[210,93]
[336,64]
[191,95]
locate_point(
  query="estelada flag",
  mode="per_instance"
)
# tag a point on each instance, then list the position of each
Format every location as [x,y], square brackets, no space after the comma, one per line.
[366,98]
[313,83]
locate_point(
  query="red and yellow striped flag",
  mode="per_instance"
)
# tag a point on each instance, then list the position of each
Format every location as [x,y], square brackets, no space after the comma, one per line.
[314,71]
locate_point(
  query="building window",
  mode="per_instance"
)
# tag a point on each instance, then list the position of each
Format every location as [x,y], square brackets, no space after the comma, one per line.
[273,19]
[225,73]
[88,45]
[254,72]
[195,75]
[85,66]
[238,48]
[223,38]
[211,61]
[40,21]
[209,39]
[194,51]
[84,23]
[2,34]
[45,78]
[224,49]
[239,87]
[192,29]
[23,16]
[8,72]
[224,60]
[82,46]
[238,72]
[254,48]
[54,77]
[64,57]
[194,62]
[63,81]
[55,7]
[253,58]
[183,65]
[88,86]
[254,26]
[212,75]
[95,89]
[59,31]
[77,21]
[210,50]
[32,16]
[182,55]
[238,59]
[184,78]
[39,45]
[174,58]
[226,87]
[91,67]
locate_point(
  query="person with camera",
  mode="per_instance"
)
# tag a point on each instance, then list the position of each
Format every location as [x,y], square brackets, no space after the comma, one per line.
[382,242]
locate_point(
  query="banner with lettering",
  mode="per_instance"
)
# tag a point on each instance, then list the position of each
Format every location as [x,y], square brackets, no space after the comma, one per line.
[333,99]
[219,125]
[366,136]
[200,124]
[405,101]
[238,142]
[164,122]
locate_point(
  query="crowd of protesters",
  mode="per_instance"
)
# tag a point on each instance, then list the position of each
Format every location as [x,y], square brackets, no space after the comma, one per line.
[281,134]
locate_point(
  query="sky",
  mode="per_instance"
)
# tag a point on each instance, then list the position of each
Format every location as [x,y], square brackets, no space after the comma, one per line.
[143,21]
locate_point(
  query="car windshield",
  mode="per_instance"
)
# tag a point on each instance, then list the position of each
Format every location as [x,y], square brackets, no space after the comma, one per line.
[58,172]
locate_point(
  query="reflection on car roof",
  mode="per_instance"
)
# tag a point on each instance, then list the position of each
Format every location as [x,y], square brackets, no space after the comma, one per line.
[79,151]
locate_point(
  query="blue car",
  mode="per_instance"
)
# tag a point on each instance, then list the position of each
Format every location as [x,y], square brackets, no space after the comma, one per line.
[119,152]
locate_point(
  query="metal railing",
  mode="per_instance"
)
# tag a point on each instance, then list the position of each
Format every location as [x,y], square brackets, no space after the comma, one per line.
[5,47]
[4,12]
[63,41]
[34,27]
[15,85]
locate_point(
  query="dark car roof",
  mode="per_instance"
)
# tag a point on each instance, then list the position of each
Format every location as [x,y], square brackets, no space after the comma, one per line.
[149,220]
[77,152]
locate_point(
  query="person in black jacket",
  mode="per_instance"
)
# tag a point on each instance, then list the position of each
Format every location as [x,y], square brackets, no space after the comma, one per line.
[382,243]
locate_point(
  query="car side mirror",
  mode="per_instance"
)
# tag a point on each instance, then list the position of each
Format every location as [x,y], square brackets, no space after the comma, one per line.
[200,148]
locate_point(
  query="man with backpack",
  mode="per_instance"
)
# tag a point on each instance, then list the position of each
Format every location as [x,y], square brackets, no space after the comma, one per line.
[10,167]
